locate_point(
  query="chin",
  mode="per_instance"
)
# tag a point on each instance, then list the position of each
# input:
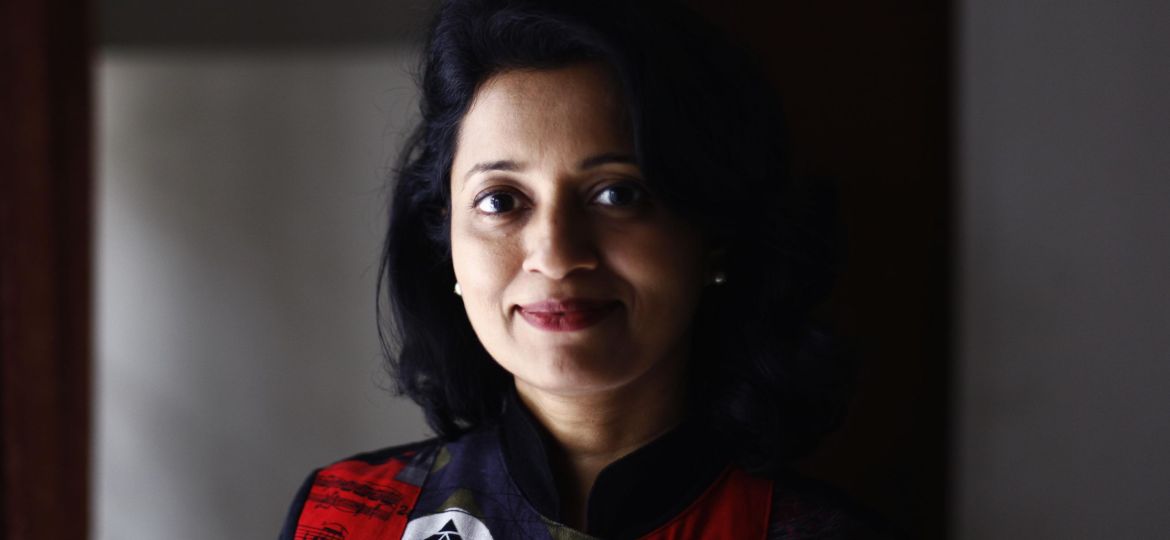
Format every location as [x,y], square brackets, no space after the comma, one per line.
[576,373]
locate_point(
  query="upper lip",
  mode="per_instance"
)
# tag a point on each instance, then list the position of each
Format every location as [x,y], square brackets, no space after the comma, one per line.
[564,305]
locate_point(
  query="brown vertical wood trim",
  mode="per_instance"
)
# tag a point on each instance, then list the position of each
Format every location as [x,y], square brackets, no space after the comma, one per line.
[45,268]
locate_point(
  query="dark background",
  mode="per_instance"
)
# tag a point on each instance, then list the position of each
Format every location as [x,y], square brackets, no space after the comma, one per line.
[866,89]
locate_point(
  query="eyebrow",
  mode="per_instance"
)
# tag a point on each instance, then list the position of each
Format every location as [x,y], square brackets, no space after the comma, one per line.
[587,163]
[484,166]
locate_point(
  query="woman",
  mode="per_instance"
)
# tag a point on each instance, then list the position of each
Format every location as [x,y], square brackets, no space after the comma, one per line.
[599,273]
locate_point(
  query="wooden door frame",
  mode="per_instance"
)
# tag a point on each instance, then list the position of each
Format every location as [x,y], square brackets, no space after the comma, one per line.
[46,266]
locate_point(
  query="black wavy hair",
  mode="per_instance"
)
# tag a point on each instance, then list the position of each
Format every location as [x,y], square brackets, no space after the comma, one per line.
[709,139]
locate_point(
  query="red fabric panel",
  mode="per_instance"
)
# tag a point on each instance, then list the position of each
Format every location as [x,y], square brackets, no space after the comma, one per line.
[735,506]
[354,499]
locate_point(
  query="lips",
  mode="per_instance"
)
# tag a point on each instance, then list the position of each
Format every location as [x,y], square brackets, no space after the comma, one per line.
[566,315]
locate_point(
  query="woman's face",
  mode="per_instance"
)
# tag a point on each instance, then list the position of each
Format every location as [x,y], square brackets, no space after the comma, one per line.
[575,278]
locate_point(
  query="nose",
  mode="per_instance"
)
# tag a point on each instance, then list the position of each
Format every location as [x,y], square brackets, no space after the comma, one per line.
[559,242]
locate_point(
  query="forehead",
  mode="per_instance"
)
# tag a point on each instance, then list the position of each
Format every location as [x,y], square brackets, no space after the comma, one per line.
[544,115]
[553,88]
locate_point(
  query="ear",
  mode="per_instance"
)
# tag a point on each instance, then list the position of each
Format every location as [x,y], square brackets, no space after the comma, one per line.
[716,262]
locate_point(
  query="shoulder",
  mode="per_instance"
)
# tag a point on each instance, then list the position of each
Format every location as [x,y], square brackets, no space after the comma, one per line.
[404,464]
[381,481]
[404,452]
[803,508]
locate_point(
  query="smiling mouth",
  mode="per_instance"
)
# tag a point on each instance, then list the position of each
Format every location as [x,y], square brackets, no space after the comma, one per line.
[566,315]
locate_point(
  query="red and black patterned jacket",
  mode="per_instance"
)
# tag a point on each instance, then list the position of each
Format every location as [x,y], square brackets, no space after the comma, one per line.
[496,482]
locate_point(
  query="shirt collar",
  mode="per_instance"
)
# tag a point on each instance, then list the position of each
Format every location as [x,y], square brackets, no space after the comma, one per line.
[633,495]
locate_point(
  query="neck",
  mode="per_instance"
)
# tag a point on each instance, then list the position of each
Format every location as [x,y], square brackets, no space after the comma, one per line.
[595,429]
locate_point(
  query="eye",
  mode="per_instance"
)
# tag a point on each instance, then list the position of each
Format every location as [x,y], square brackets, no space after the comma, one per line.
[496,202]
[620,195]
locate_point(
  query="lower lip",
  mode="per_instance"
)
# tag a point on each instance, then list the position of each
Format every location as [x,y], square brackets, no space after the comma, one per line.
[567,321]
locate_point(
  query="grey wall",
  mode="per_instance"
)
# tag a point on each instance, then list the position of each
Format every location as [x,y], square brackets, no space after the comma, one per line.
[261,24]
[1064,241]
[240,218]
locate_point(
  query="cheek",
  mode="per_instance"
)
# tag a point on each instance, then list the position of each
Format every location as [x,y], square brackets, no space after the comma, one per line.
[665,267]
[484,266]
